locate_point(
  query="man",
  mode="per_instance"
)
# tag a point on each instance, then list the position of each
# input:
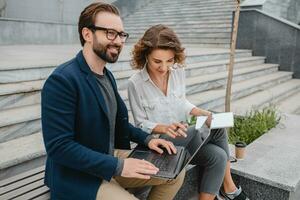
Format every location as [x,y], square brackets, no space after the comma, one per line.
[84,120]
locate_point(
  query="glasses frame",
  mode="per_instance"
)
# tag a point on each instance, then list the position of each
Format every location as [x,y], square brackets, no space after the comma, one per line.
[123,35]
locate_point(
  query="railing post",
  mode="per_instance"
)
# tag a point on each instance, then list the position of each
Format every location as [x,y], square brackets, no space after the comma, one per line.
[232,54]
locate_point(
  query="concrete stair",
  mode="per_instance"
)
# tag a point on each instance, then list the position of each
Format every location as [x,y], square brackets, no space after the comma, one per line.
[205,78]
[195,22]
[196,16]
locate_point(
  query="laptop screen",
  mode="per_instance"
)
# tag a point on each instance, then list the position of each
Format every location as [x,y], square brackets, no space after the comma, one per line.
[200,138]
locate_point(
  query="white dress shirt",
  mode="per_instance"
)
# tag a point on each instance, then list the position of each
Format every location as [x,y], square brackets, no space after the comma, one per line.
[150,106]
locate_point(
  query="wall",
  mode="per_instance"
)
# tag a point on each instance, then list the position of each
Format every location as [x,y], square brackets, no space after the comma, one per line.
[270,36]
[287,9]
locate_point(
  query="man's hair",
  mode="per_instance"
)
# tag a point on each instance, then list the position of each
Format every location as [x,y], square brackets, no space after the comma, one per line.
[156,37]
[88,16]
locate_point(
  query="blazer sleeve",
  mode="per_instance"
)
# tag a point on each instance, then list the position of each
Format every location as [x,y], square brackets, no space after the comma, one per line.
[58,122]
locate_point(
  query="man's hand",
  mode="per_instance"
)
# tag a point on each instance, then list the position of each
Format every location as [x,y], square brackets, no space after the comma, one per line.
[176,129]
[136,168]
[155,145]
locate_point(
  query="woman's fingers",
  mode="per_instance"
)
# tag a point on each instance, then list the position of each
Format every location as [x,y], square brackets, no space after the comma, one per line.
[181,133]
[172,133]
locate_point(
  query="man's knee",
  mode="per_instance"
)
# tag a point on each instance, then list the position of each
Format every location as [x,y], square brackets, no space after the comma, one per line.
[113,191]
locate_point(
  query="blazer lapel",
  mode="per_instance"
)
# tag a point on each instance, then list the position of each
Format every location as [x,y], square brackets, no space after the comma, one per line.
[93,84]
[92,81]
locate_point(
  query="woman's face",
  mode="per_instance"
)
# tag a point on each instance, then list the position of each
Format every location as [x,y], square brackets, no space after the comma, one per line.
[160,61]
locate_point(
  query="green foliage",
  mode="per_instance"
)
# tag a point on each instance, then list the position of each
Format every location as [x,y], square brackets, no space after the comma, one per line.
[192,121]
[254,124]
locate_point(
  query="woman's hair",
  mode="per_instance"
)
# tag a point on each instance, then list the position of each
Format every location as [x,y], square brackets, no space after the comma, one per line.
[157,37]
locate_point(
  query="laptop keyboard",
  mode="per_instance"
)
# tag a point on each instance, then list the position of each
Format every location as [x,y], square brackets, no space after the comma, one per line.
[162,161]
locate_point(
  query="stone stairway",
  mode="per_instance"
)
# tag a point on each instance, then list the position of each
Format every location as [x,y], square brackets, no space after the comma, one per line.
[24,68]
[206,23]
[254,83]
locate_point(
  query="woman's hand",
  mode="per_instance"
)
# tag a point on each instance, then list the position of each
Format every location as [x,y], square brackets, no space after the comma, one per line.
[208,120]
[176,129]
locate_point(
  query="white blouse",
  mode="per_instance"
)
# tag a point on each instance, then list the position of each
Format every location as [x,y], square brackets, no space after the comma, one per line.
[150,106]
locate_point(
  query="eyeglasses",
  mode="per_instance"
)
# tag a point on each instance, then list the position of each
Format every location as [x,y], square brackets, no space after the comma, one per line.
[111,34]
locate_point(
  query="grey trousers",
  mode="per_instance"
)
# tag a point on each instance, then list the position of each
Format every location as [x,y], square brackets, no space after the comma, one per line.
[212,157]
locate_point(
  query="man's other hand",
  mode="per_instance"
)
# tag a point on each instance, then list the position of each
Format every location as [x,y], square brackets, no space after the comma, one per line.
[136,168]
[158,144]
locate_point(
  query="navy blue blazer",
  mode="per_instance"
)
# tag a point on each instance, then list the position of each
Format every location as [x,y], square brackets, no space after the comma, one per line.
[76,131]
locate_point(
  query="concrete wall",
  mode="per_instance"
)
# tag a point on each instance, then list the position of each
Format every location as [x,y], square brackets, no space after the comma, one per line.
[30,32]
[48,22]
[287,9]
[64,11]
[266,35]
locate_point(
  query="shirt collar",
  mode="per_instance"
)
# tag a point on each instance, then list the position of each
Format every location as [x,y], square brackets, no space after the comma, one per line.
[145,74]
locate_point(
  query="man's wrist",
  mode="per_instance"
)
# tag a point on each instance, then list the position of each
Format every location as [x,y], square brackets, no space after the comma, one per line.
[147,140]
[119,168]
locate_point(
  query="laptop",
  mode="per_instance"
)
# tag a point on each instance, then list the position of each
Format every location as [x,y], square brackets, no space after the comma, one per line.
[171,165]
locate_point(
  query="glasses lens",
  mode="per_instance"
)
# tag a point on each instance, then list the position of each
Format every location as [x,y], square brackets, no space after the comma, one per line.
[123,36]
[111,34]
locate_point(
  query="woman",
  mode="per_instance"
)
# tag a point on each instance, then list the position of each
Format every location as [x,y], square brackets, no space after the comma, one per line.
[157,99]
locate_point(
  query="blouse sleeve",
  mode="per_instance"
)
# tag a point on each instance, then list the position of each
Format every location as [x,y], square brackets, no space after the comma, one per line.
[138,112]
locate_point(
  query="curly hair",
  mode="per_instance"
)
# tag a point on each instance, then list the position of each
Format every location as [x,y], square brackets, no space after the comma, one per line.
[156,37]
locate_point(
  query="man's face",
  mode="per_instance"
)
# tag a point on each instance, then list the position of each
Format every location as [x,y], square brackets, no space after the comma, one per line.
[107,49]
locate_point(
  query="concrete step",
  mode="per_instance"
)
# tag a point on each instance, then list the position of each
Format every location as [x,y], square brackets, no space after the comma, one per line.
[193,23]
[194,34]
[18,130]
[22,87]
[162,21]
[15,95]
[186,32]
[21,154]
[215,98]
[18,57]
[19,115]
[153,13]
[182,15]
[207,80]
[29,114]
[185,27]
[218,80]
[286,92]
[179,12]
[291,104]
[193,69]
[19,99]
[270,169]
[11,76]
[21,93]
[159,7]
[187,2]
[197,40]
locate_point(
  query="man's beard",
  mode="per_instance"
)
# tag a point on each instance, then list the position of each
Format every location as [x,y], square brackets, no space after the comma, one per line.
[101,51]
